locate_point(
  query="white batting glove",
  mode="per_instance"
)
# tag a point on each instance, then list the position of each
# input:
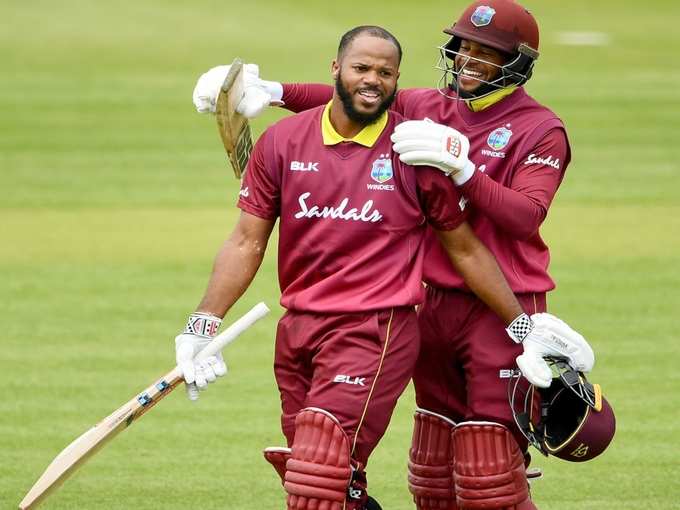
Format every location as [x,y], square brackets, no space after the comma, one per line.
[423,142]
[257,93]
[199,331]
[545,335]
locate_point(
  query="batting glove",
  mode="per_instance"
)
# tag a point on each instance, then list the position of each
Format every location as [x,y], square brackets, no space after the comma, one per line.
[257,93]
[199,331]
[423,142]
[545,335]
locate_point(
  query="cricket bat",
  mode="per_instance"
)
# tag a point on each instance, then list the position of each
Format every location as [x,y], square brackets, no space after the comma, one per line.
[233,127]
[77,453]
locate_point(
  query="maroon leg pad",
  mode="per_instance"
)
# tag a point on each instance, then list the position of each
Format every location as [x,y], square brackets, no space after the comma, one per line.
[318,471]
[430,464]
[277,456]
[489,471]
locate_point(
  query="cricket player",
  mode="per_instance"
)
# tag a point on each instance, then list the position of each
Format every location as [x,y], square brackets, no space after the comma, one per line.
[518,154]
[352,223]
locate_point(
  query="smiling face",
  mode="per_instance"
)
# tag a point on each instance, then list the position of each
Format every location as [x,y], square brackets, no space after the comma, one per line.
[366,76]
[477,64]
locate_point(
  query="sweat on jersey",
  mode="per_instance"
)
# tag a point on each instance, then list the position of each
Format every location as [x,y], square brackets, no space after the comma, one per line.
[352,218]
[521,151]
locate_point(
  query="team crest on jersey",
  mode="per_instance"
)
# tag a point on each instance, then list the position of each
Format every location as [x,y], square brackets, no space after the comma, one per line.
[499,138]
[482,16]
[381,171]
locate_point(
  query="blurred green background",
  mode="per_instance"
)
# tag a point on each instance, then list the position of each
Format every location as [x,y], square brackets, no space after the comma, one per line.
[116,196]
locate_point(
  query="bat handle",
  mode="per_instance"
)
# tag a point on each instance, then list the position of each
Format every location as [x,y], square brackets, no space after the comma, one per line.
[233,331]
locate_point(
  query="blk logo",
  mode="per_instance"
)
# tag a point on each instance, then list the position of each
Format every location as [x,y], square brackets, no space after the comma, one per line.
[301,166]
[347,379]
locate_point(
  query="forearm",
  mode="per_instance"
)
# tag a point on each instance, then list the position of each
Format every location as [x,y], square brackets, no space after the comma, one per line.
[478,267]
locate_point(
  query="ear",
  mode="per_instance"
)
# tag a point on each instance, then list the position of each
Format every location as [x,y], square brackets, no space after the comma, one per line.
[335,69]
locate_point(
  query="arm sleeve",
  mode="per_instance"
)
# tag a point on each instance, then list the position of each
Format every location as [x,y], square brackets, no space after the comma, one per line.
[260,193]
[439,199]
[520,209]
[298,97]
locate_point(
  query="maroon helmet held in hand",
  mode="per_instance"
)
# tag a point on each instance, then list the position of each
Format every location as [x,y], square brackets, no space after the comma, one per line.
[570,419]
[503,25]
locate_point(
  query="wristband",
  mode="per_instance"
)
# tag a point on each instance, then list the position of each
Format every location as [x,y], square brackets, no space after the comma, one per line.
[202,324]
[520,328]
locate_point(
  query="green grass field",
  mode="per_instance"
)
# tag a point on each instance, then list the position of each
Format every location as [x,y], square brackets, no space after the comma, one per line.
[116,195]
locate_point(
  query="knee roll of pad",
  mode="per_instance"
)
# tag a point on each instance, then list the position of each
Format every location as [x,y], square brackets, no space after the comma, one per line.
[489,470]
[430,466]
[319,470]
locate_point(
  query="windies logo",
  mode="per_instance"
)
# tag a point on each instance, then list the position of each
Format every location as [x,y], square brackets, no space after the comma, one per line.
[482,16]
[381,171]
[498,138]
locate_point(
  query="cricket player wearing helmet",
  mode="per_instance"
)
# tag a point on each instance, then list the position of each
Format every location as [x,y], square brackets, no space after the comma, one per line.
[507,156]
[352,223]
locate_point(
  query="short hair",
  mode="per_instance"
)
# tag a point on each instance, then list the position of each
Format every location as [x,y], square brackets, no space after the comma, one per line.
[372,30]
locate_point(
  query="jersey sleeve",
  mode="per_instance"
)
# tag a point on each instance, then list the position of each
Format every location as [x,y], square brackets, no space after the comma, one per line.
[298,97]
[441,202]
[260,193]
[520,209]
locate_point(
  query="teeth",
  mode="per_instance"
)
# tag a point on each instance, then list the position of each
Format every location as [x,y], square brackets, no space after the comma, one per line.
[474,74]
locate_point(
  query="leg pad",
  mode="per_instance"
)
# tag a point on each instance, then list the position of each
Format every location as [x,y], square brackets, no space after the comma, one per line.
[430,466]
[318,471]
[489,471]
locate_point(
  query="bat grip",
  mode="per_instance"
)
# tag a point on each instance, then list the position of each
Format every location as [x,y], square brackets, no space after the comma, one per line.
[233,331]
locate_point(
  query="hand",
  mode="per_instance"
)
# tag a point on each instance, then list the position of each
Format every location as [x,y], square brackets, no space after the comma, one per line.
[200,330]
[257,93]
[551,336]
[423,142]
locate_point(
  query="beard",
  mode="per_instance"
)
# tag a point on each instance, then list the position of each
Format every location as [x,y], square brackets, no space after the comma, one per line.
[361,118]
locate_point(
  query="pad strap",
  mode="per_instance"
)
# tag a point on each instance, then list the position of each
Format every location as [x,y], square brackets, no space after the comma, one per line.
[430,465]
[489,470]
[277,456]
[318,472]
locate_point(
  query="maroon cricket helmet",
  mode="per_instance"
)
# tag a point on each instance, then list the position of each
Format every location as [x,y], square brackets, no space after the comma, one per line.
[570,420]
[503,25]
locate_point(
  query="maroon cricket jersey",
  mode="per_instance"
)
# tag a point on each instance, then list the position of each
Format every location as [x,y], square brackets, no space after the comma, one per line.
[351,218]
[516,143]
[521,151]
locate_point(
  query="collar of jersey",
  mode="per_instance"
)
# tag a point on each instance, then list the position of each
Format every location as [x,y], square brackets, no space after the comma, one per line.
[366,137]
[477,105]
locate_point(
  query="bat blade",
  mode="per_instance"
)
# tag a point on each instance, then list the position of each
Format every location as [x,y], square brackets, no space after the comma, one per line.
[232,126]
[86,445]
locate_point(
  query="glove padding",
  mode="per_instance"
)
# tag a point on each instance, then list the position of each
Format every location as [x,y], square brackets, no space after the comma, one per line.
[423,142]
[197,374]
[551,336]
[257,93]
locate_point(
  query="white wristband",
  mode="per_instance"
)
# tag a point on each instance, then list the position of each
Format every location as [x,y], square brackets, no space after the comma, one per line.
[202,324]
[460,178]
[274,89]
